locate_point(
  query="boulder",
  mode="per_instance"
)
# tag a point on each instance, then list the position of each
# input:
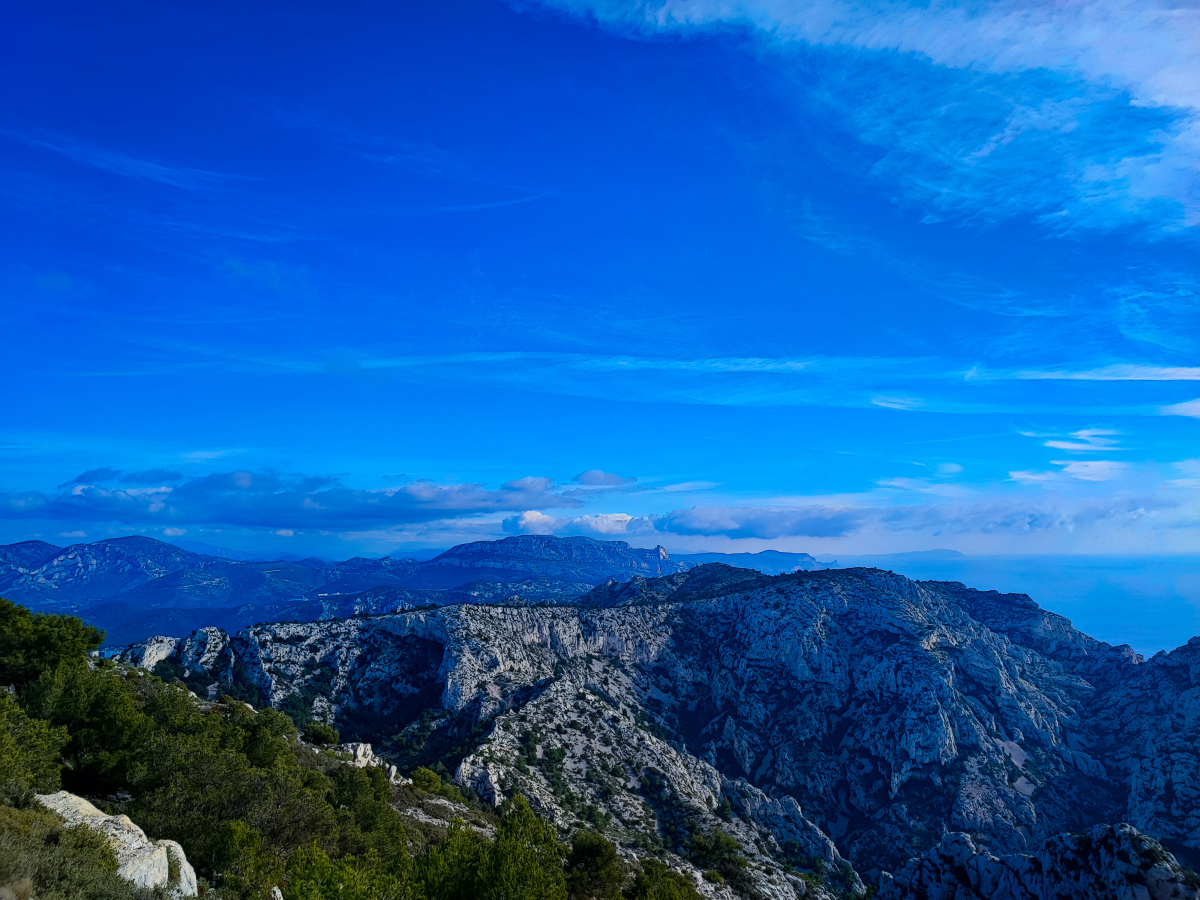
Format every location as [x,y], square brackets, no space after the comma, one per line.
[140,860]
[363,755]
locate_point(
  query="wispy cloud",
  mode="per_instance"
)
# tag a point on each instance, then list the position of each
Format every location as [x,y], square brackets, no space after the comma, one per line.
[1189,408]
[1074,469]
[1105,94]
[271,500]
[1117,372]
[912,383]
[118,163]
[600,478]
[1087,440]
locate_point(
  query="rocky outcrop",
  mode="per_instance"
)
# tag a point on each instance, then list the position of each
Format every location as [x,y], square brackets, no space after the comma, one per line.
[150,652]
[1108,862]
[143,862]
[207,651]
[831,715]
[363,756]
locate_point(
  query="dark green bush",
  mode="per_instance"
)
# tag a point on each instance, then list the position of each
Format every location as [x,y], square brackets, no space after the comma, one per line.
[102,715]
[525,862]
[431,782]
[593,870]
[29,753]
[32,644]
[656,882]
[320,733]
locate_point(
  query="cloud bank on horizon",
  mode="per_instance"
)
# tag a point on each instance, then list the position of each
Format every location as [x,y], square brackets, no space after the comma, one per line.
[324,514]
[834,276]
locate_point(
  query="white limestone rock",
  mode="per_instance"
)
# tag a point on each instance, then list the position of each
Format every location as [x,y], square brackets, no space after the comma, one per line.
[150,652]
[855,712]
[143,862]
[362,755]
[1114,862]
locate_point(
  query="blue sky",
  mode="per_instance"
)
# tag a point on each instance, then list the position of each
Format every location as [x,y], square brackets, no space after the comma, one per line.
[842,277]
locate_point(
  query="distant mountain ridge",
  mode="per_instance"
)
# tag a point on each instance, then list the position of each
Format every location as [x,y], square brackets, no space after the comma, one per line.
[769,562]
[136,586]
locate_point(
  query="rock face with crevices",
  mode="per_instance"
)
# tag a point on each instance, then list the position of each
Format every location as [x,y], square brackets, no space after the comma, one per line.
[1108,862]
[143,862]
[849,716]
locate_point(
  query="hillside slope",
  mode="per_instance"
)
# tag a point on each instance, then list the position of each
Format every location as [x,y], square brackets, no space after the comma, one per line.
[836,714]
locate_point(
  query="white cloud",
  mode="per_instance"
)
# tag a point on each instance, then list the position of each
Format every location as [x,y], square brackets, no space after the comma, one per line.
[764,522]
[1121,372]
[1026,477]
[1131,55]
[533,522]
[1092,469]
[285,532]
[604,524]
[1190,408]
[683,486]
[201,455]
[905,403]
[1088,439]
[1191,469]
[921,486]
[1077,469]
[949,468]
[174,532]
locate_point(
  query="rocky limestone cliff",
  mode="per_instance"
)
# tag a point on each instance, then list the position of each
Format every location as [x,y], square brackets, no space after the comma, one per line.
[1104,863]
[835,715]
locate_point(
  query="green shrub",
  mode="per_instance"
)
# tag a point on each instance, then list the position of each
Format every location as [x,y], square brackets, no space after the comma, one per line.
[593,870]
[246,867]
[103,717]
[450,871]
[32,644]
[312,875]
[715,850]
[40,858]
[430,781]
[656,882]
[29,753]
[426,780]
[320,733]
[525,862]
[719,853]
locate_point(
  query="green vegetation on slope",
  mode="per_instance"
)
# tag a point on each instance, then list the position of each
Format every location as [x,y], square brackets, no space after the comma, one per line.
[252,806]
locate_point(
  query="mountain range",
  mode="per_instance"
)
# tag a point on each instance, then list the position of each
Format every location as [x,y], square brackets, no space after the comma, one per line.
[137,586]
[936,740]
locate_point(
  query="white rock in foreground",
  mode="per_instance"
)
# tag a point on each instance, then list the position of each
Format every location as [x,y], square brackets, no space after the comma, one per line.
[140,860]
